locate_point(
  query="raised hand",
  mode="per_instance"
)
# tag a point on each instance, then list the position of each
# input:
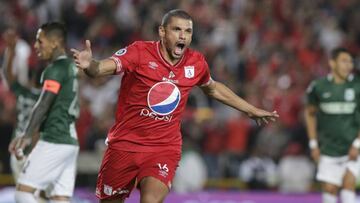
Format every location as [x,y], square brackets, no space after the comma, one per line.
[10,38]
[83,58]
[262,116]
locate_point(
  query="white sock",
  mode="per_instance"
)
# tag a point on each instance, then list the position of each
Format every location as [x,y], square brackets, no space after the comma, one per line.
[24,197]
[347,196]
[328,198]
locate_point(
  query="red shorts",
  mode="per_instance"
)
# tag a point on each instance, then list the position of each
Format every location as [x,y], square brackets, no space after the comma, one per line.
[120,170]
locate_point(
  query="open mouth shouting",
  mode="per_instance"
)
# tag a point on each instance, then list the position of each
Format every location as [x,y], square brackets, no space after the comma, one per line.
[179,49]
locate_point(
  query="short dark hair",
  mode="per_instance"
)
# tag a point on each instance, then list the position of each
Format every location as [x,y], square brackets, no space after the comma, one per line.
[337,51]
[175,13]
[55,29]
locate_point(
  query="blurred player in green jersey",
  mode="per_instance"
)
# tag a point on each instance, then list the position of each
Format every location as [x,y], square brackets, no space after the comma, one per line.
[51,165]
[26,95]
[331,116]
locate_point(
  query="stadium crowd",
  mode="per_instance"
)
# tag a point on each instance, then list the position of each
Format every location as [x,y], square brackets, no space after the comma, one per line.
[266,51]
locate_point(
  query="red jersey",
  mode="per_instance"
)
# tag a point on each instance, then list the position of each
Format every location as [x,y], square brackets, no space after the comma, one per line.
[153,95]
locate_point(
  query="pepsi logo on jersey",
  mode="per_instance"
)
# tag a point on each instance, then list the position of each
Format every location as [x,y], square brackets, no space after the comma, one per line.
[163,98]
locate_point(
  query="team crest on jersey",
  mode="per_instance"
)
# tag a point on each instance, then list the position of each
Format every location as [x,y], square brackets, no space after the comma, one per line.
[121,52]
[189,71]
[349,94]
[163,98]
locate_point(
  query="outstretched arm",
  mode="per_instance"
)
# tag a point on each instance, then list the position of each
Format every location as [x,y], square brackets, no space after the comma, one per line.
[223,94]
[93,68]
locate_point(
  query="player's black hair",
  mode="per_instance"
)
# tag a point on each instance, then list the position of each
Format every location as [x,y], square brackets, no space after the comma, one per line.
[174,13]
[337,51]
[55,29]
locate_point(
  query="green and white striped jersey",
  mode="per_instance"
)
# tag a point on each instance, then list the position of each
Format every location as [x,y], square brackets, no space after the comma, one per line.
[338,113]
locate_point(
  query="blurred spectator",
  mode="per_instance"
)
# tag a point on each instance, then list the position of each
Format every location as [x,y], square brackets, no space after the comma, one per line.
[271,141]
[101,94]
[296,170]
[259,171]
[191,174]
[330,35]
[213,146]
[20,65]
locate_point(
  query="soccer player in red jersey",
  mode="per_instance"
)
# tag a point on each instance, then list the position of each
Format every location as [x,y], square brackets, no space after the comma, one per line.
[144,144]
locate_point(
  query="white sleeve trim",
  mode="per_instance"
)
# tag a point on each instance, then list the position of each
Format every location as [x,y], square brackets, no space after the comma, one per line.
[208,82]
[118,63]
